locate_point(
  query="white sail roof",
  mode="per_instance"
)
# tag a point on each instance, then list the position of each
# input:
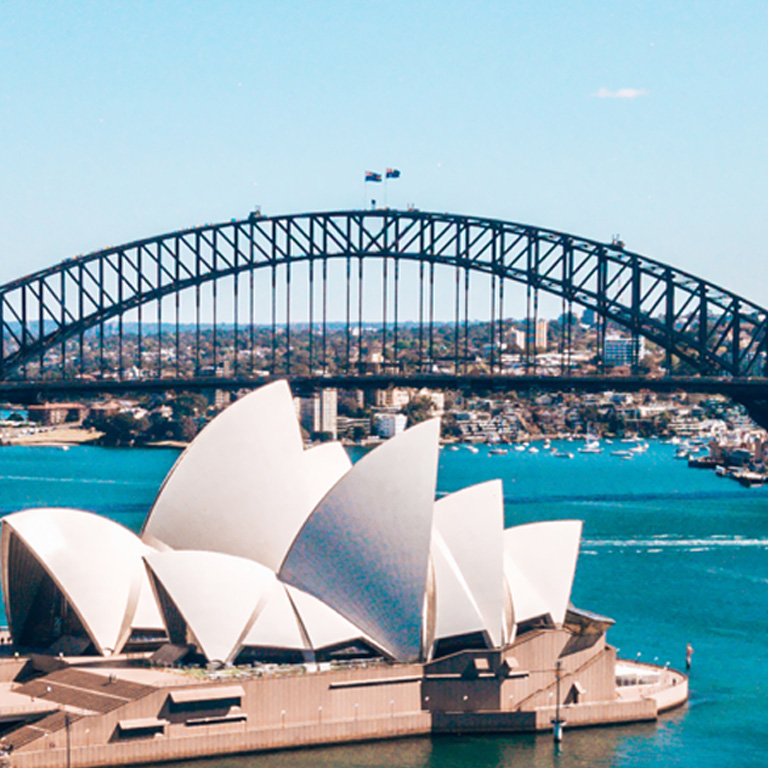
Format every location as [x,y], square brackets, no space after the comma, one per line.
[245,485]
[321,468]
[471,561]
[277,625]
[217,595]
[539,564]
[295,620]
[147,614]
[364,550]
[95,562]
[456,611]
[253,541]
[324,626]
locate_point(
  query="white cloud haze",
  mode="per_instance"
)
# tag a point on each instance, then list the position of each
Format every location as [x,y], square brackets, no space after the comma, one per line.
[621,93]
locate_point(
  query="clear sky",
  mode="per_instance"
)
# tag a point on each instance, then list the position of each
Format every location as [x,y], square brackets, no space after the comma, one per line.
[121,120]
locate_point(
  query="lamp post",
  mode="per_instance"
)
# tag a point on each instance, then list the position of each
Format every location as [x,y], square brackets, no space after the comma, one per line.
[69,746]
[557,723]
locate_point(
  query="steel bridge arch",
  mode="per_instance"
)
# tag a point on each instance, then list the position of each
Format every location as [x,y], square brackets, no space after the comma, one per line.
[714,331]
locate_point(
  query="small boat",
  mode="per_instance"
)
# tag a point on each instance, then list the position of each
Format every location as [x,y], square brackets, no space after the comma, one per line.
[453,448]
[703,462]
[547,444]
[591,446]
[521,447]
[622,454]
[566,455]
[533,449]
[498,452]
[473,449]
[749,479]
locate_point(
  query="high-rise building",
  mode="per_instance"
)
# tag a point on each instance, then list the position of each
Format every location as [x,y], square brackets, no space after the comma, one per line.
[537,336]
[517,337]
[623,350]
[318,412]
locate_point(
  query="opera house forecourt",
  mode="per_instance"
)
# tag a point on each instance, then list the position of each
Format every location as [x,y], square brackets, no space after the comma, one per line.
[280,596]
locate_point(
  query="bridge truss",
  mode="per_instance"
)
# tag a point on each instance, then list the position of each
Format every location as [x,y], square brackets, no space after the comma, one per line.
[357,293]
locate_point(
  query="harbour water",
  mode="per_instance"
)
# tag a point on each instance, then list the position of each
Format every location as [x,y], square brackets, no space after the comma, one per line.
[674,555]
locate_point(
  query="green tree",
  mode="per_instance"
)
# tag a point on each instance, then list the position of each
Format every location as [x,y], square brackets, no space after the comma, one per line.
[122,428]
[418,409]
[189,404]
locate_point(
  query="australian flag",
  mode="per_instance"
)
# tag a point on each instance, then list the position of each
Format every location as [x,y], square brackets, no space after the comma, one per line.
[372,176]
[393,173]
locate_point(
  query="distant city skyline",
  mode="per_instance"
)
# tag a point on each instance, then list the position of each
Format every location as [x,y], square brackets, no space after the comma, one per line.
[597,118]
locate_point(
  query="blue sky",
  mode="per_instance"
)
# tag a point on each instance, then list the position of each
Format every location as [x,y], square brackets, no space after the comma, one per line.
[121,120]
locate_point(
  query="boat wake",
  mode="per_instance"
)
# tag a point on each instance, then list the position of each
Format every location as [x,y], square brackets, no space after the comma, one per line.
[78,480]
[659,543]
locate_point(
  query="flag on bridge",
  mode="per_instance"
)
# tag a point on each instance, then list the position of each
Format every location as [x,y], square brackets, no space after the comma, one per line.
[393,173]
[372,176]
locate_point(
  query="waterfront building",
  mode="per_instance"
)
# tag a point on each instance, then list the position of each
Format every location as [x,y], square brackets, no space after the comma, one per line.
[51,414]
[353,429]
[393,398]
[437,399]
[389,424]
[389,612]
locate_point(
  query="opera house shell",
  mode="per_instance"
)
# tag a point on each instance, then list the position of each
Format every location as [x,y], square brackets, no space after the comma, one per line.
[416,614]
[258,548]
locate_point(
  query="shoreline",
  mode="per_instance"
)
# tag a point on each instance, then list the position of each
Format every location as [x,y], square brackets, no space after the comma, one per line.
[50,437]
[67,437]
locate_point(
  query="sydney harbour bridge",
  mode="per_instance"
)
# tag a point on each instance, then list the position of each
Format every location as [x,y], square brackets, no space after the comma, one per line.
[368,298]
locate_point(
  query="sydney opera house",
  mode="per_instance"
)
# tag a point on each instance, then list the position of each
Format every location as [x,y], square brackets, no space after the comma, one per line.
[281,596]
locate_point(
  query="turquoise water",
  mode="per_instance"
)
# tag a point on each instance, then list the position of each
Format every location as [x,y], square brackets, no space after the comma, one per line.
[674,555]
